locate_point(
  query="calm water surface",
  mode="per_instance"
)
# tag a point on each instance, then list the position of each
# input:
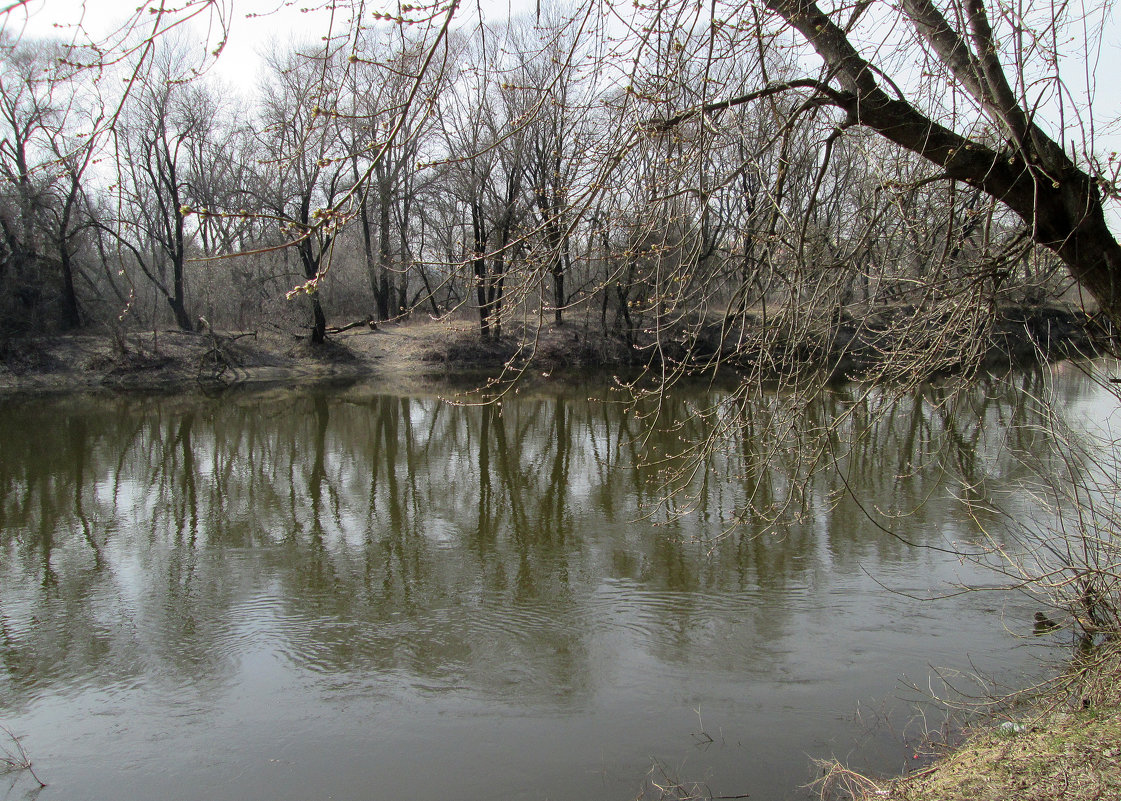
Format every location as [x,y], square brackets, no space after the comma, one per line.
[365,596]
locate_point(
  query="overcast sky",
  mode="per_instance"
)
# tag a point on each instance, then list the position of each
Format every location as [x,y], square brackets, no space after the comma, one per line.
[255,24]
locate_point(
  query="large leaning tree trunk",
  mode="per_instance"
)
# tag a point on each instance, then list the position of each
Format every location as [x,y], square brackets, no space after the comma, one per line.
[1061,203]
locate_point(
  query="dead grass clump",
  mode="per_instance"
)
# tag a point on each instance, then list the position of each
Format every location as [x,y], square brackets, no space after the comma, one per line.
[1066,746]
[467,350]
[330,352]
[837,781]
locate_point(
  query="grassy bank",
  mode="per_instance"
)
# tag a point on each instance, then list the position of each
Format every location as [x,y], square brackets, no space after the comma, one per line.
[1064,743]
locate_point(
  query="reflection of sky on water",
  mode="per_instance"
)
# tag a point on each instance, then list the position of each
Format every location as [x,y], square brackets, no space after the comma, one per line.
[1096,408]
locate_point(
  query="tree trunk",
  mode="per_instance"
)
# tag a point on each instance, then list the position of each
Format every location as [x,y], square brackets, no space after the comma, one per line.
[71,317]
[371,261]
[479,262]
[177,298]
[182,319]
[318,320]
[384,294]
[1061,204]
[558,293]
[310,262]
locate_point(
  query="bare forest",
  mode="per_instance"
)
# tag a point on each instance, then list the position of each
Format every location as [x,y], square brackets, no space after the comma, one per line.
[750,183]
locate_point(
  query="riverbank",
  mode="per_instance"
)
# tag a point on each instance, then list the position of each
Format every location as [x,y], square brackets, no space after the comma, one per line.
[1063,745]
[415,354]
[409,355]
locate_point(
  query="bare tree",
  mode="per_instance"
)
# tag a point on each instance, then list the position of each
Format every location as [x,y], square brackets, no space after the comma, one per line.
[160,149]
[306,166]
[69,217]
[386,134]
[26,111]
[739,158]
[977,120]
[485,167]
[554,103]
[48,111]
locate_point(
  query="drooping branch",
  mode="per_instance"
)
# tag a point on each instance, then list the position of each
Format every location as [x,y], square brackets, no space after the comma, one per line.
[1061,203]
[663,125]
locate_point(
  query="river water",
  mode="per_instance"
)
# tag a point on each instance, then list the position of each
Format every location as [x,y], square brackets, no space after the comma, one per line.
[358,595]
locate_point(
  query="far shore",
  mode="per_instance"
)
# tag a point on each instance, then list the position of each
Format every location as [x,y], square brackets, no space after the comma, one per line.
[419,354]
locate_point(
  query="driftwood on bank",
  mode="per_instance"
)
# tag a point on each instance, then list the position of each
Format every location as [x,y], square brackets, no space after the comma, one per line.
[369,322]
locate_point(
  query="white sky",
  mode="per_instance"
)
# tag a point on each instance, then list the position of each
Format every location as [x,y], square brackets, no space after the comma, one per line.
[255,24]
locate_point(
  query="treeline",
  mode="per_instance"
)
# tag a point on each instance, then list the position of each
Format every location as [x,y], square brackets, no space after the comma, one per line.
[511,173]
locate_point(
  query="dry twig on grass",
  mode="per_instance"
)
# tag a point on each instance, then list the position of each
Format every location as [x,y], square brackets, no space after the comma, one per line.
[837,781]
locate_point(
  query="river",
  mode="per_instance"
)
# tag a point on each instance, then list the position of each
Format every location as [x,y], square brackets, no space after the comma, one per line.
[358,595]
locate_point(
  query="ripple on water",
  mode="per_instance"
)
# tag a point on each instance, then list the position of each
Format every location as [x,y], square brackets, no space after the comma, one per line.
[649,613]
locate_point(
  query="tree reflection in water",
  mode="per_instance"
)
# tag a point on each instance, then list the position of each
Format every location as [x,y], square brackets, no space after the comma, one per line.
[495,549]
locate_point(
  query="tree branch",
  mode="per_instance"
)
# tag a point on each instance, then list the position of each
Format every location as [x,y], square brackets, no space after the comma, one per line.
[663,125]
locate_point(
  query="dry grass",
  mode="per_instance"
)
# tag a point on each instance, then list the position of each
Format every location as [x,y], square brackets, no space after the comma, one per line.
[837,781]
[1069,748]
[1061,755]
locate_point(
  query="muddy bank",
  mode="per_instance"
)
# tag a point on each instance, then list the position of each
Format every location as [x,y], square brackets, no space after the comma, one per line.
[415,355]
[897,340]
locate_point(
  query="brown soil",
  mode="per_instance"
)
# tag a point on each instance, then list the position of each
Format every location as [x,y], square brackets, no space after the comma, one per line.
[404,356]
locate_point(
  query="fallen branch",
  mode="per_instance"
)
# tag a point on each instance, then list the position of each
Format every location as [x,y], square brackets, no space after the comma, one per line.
[369,321]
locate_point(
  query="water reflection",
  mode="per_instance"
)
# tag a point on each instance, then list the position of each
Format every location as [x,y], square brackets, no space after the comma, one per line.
[372,546]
